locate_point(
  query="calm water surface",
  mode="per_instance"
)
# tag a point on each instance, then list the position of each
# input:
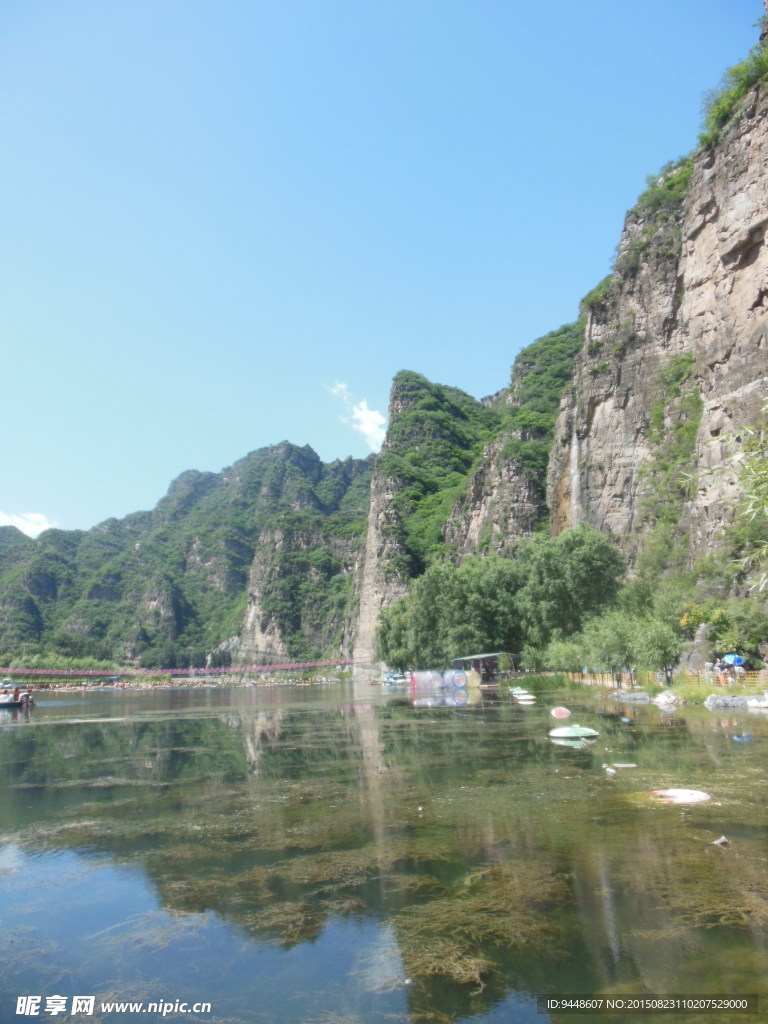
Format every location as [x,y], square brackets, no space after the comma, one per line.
[336,856]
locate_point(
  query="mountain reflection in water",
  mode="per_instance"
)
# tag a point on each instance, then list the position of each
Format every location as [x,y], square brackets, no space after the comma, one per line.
[334,855]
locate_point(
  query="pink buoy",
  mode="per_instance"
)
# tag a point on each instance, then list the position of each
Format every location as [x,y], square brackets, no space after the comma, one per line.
[560,713]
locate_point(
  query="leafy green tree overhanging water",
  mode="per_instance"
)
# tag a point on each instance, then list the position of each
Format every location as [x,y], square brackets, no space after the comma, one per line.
[548,590]
[564,603]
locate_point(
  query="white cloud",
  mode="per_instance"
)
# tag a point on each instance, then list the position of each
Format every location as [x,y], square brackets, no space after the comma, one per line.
[31,523]
[372,425]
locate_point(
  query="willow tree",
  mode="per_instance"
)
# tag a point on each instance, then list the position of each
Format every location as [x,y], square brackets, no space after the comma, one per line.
[452,611]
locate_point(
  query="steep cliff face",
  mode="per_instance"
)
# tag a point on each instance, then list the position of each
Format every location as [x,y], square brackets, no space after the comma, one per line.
[261,638]
[300,584]
[724,309]
[506,495]
[300,594]
[379,580]
[435,437]
[382,572]
[502,503]
[675,351]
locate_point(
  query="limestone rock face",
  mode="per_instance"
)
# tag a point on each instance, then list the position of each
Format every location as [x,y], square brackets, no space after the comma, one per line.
[724,310]
[378,583]
[436,435]
[261,639]
[288,564]
[689,296]
[502,504]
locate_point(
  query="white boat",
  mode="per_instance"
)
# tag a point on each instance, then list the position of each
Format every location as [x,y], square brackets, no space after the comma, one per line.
[9,701]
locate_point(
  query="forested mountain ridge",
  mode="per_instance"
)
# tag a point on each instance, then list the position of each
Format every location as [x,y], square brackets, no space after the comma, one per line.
[624,421]
[11,537]
[170,587]
[268,559]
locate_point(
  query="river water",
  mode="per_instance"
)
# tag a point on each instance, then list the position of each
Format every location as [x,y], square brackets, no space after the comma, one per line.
[332,855]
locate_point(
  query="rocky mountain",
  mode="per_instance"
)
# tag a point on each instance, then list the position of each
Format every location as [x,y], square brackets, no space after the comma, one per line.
[669,358]
[457,477]
[244,565]
[618,420]
[675,352]
[434,442]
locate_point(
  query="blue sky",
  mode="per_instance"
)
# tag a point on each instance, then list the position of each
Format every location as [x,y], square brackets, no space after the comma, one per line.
[229,224]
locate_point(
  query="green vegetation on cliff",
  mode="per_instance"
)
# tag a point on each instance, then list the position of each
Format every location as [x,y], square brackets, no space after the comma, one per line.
[722,106]
[674,422]
[657,215]
[435,437]
[746,456]
[539,376]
